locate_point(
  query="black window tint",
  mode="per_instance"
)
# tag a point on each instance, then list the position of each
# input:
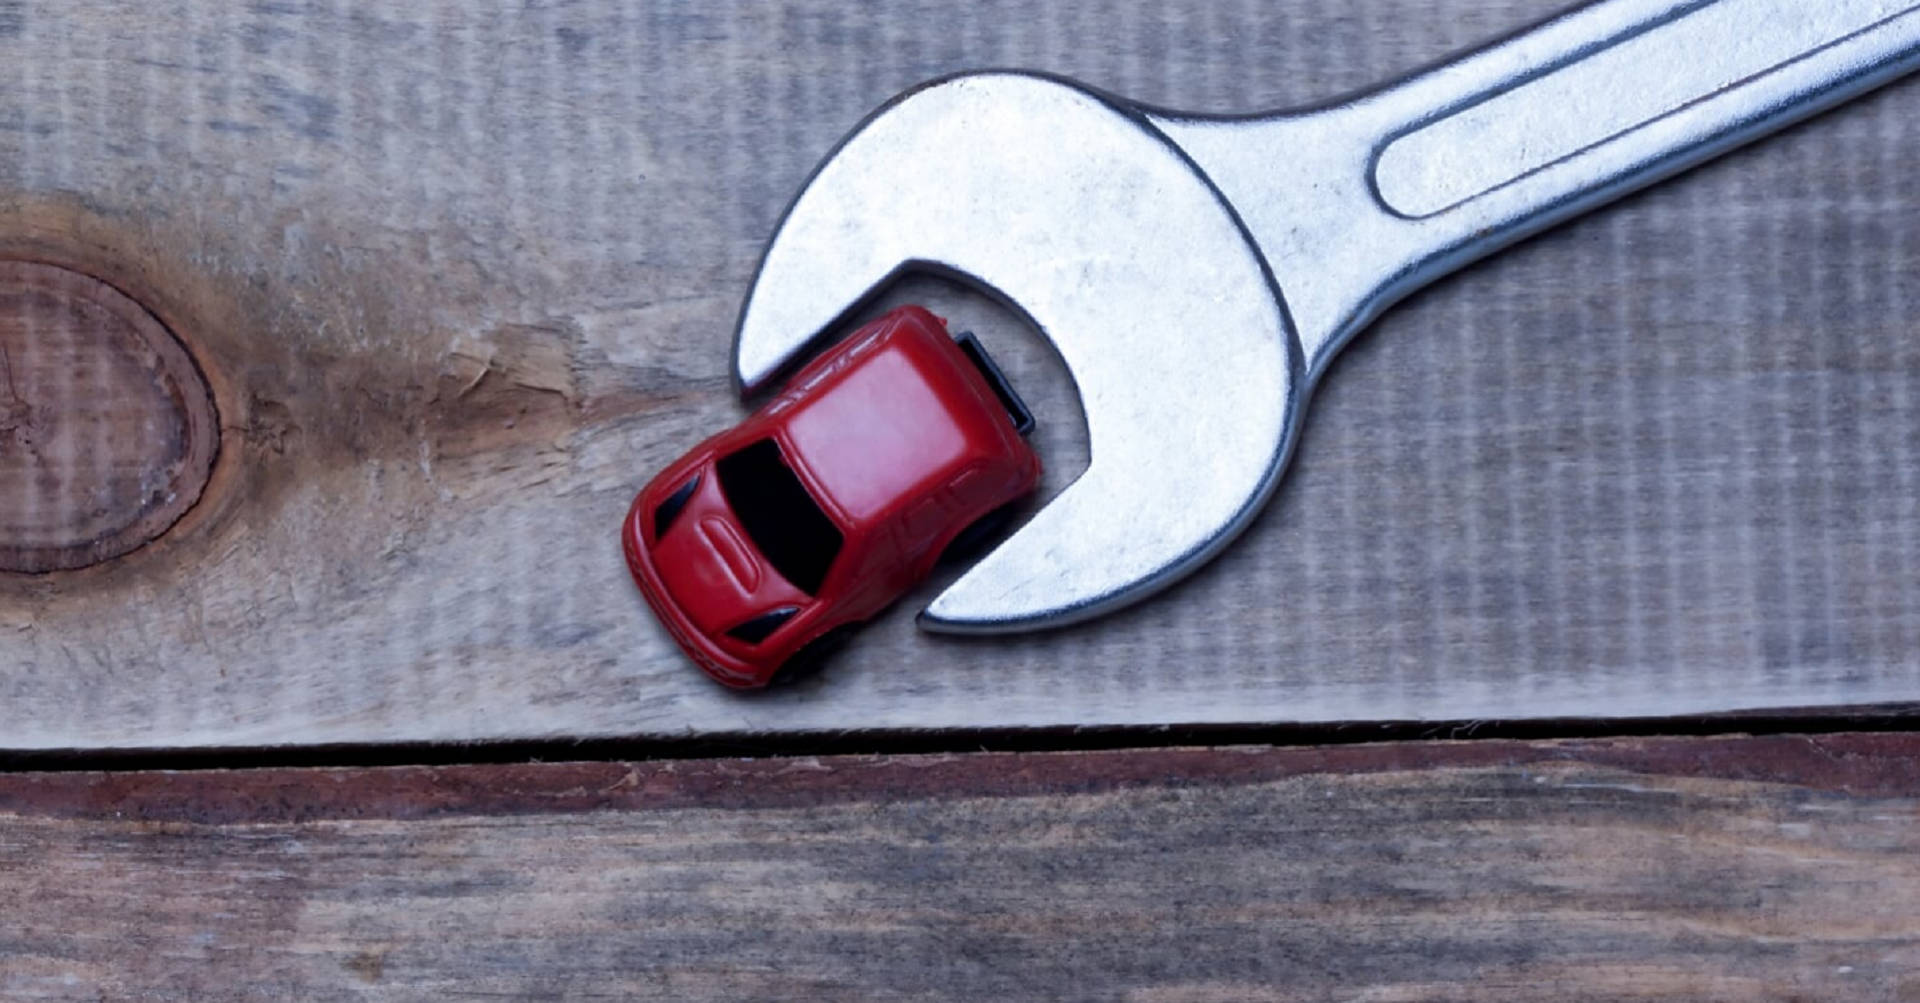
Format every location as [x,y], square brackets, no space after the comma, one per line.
[779,515]
[670,509]
[762,627]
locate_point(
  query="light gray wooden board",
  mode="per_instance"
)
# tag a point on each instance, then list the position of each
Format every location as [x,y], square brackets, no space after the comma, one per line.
[463,276]
[1767,869]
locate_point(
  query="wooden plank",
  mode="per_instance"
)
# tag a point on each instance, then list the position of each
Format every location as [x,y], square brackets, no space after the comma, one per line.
[461,278]
[1730,868]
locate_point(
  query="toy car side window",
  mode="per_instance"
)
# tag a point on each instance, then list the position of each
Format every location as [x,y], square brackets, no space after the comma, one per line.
[781,518]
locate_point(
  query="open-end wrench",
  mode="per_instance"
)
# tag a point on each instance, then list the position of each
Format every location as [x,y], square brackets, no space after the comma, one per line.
[1198,273]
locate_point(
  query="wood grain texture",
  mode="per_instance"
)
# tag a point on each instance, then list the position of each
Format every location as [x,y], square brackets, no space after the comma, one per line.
[1700,869]
[461,276]
[107,430]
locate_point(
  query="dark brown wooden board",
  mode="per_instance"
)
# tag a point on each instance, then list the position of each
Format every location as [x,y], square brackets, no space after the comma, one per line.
[461,276]
[1780,868]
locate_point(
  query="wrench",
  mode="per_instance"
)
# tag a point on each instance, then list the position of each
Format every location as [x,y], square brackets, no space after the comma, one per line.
[1197,273]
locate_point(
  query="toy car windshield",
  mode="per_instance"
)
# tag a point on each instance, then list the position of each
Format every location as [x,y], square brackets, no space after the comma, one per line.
[780,516]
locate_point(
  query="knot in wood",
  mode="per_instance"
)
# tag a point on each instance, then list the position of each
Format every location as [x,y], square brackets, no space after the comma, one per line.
[108,430]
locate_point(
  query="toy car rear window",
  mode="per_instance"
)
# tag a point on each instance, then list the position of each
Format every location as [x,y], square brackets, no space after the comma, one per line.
[779,515]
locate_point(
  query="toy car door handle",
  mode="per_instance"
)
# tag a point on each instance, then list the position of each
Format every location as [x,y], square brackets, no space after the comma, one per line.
[1197,273]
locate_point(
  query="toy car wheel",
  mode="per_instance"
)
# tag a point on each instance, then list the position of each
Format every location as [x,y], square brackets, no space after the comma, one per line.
[810,658]
[973,541]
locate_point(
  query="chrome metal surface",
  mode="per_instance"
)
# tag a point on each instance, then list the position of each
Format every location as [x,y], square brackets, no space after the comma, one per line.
[1197,274]
[1081,215]
[1391,190]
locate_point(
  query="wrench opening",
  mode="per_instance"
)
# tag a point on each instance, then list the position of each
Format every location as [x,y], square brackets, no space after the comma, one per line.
[1086,221]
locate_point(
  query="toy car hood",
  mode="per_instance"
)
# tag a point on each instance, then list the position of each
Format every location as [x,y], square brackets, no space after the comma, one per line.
[710,569]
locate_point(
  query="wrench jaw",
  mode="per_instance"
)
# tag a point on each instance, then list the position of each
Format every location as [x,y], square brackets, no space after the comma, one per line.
[1072,208]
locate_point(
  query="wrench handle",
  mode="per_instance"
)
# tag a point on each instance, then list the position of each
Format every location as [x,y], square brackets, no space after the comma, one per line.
[1388,191]
[1614,96]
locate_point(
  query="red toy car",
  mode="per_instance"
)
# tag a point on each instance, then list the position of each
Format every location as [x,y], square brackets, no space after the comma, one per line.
[766,543]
